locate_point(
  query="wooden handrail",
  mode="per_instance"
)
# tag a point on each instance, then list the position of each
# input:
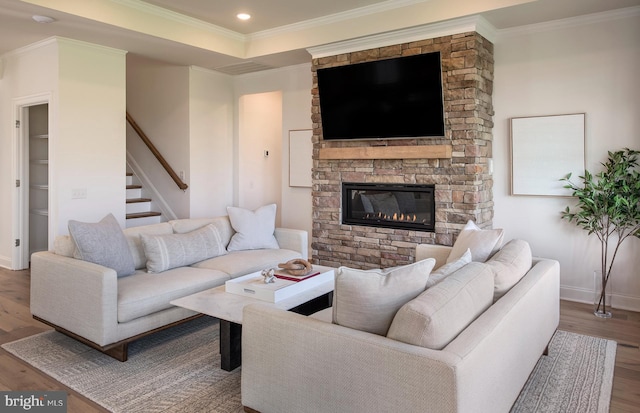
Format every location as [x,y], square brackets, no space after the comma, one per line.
[157,154]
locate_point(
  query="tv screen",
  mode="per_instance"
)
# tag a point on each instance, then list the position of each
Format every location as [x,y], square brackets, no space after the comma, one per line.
[394,98]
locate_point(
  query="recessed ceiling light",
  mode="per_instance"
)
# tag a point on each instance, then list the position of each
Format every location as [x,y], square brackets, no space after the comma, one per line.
[43,19]
[243,16]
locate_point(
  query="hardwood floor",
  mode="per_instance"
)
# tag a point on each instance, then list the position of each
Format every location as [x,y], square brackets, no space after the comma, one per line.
[16,322]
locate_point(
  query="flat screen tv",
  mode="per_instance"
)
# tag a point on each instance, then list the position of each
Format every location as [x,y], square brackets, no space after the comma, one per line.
[384,99]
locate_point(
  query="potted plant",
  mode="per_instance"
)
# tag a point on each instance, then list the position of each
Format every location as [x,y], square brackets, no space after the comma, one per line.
[608,206]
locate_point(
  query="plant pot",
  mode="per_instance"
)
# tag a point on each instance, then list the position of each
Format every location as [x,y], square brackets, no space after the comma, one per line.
[601,300]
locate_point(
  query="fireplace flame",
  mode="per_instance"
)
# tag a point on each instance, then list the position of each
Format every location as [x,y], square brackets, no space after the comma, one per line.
[395,217]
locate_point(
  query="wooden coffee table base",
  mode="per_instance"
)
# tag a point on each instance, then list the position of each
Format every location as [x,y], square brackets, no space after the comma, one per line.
[230,345]
[231,333]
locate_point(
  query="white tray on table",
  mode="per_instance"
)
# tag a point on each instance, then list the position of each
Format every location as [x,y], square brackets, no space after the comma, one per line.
[253,285]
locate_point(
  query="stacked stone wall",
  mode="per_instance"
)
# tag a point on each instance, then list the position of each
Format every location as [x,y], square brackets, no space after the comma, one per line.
[463,182]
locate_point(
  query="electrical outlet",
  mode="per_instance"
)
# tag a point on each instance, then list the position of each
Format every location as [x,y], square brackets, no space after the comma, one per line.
[266,153]
[181,174]
[79,193]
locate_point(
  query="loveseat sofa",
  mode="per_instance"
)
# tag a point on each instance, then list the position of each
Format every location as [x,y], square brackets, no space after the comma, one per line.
[466,344]
[91,303]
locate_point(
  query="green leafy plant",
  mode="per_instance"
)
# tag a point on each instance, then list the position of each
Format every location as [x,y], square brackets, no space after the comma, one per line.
[608,206]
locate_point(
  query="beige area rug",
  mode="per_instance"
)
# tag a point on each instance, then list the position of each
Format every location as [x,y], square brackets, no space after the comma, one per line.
[177,370]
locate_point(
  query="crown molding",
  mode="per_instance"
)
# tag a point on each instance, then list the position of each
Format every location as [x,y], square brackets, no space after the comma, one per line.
[97,47]
[463,25]
[181,18]
[334,18]
[568,23]
[31,47]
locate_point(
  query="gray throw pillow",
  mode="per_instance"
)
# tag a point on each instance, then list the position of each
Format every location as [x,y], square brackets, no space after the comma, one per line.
[367,300]
[168,251]
[102,243]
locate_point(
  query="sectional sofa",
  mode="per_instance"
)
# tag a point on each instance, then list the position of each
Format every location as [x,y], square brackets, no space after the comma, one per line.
[465,344]
[106,310]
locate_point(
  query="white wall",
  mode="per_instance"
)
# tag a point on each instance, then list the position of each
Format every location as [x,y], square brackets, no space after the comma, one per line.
[294,82]
[260,150]
[588,66]
[88,150]
[158,100]
[210,173]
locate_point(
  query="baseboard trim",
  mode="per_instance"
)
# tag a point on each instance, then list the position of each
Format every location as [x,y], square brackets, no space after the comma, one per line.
[5,262]
[582,295]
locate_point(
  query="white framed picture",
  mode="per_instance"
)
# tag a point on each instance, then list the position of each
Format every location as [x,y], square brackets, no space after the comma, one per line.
[544,149]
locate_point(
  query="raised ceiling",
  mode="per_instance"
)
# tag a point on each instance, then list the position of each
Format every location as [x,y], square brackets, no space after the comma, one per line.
[206,33]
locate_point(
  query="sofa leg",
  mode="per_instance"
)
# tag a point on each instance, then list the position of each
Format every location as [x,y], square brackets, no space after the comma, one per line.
[546,351]
[119,352]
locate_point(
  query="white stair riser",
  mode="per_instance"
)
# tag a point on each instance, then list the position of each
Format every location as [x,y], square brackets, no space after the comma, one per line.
[129,180]
[134,193]
[134,207]
[136,222]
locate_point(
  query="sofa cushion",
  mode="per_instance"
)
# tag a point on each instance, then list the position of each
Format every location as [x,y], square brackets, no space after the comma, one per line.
[367,300]
[254,229]
[237,263]
[222,223]
[103,243]
[482,242]
[509,265]
[135,243]
[142,293]
[448,269]
[438,315]
[177,250]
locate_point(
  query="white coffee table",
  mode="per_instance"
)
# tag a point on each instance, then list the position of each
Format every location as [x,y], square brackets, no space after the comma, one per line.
[227,307]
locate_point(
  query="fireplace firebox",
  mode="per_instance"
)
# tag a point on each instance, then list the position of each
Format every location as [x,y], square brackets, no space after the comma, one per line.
[400,206]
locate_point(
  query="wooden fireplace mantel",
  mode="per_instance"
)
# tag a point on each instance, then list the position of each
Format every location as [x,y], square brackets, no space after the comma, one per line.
[388,152]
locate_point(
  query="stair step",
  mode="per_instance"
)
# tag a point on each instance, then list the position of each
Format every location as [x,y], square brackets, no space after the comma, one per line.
[129,173]
[143,215]
[134,186]
[136,200]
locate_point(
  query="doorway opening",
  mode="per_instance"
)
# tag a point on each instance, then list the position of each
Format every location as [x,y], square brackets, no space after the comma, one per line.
[32,223]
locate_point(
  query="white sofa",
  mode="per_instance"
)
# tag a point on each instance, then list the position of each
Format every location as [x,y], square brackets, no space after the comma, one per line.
[91,303]
[293,363]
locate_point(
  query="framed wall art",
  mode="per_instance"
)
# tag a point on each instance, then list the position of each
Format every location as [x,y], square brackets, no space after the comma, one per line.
[545,149]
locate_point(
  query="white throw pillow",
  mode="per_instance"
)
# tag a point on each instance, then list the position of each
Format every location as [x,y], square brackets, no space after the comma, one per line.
[102,243]
[368,300]
[448,269]
[509,265]
[254,229]
[168,251]
[482,243]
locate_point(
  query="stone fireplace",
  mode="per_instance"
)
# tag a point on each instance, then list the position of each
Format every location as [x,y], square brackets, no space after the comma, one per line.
[456,167]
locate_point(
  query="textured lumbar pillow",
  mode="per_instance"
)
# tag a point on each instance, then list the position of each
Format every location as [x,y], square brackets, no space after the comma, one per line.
[367,300]
[448,269]
[102,243]
[482,242]
[439,314]
[254,229]
[178,250]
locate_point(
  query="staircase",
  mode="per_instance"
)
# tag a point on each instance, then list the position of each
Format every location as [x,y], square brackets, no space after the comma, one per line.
[139,208]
